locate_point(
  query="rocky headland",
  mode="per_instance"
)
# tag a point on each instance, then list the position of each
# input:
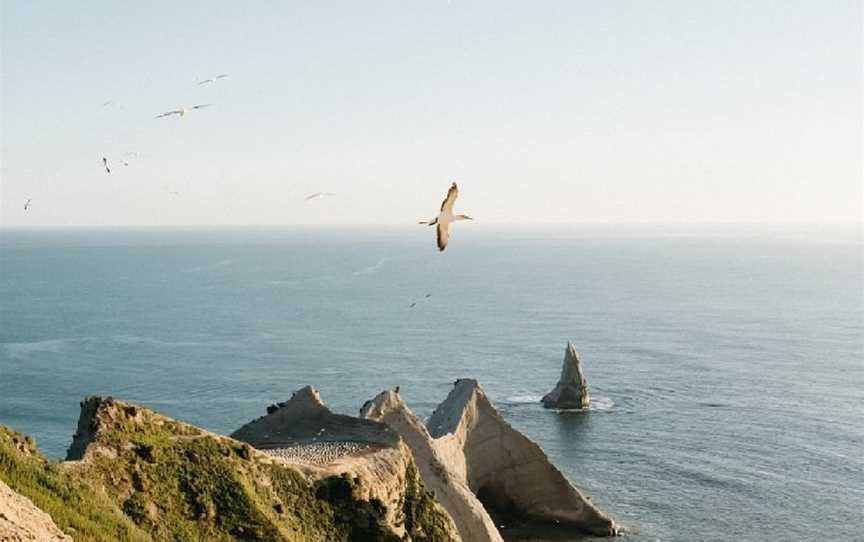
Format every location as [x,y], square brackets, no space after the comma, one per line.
[298,473]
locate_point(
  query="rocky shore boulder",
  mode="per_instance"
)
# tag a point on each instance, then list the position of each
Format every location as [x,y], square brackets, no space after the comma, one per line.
[509,473]
[21,521]
[572,389]
[471,518]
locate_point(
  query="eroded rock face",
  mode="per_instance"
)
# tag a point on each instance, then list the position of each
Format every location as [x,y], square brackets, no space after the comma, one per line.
[572,388]
[508,472]
[471,518]
[22,521]
[304,433]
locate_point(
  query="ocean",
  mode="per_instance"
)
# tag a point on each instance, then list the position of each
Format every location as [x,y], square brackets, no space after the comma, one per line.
[725,363]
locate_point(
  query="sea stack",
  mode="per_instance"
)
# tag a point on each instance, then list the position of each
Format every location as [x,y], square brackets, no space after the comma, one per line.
[572,388]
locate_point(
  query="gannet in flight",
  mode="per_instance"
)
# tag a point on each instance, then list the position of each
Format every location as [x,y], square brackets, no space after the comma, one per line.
[319,195]
[27,204]
[105,162]
[181,112]
[213,79]
[414,303]
[445,217]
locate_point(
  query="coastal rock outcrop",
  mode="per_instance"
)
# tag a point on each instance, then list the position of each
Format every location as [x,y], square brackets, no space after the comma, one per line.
[133,474]
[306,435]
[471,518]
[508,472]
[22,521]
[300,473]
[572,388]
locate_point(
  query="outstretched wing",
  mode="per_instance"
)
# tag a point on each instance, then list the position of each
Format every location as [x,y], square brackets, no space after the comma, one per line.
[447,204]
[443,235]
[202,106]
[205,81]
[168,114]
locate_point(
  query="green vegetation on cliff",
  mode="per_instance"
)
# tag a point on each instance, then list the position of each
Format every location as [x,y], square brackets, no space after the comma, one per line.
[142,476]
[78,507]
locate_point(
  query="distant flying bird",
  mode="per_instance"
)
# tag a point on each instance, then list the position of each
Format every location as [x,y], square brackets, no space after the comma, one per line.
[318,195]
[213,79]
[445,217]
[27,204]
[182,112]
[109,102]
[131,156]
[414,303]
[105,162]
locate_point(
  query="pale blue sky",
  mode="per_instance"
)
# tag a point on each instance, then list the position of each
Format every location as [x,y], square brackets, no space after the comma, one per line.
[571,111]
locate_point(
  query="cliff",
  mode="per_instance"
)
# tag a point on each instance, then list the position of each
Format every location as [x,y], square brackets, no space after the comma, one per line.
[305,434]
[298,473]
[133,474]
[508,472]
[471,518]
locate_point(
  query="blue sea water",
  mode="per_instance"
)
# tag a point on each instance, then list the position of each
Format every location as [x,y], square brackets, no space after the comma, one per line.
[726,364]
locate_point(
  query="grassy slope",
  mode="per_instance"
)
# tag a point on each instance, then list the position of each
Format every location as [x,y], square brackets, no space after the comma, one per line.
[77,507]
[151,478]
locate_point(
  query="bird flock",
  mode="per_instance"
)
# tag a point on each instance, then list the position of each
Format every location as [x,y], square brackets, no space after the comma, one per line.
[442,220]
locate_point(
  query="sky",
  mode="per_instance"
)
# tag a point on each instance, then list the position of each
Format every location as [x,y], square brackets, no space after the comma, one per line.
[543,112]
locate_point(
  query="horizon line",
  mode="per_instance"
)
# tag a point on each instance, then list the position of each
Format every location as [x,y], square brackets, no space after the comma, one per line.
[391,225]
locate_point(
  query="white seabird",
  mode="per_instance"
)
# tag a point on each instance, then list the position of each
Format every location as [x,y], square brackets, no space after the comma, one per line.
[27,204]
[318,195]
[213,79]
[182,112]
[445,217]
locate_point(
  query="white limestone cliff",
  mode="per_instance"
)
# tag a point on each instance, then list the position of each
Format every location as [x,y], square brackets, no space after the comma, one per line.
[450,489]
[508,472]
